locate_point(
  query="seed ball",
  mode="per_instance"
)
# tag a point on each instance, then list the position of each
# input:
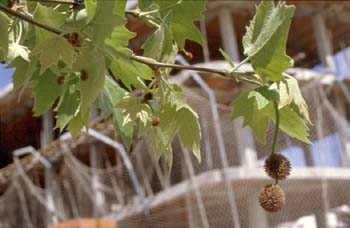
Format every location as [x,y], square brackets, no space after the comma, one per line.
[277,166]
[83,75]
[272,198]
[148,96]
[155,121]
[60,80]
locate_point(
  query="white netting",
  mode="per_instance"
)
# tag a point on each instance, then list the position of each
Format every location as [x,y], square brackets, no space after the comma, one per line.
[95,179]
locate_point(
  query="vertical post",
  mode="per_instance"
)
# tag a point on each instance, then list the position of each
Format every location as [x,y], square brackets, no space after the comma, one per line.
[46,135]
[324,46]
[96,163]
[228,34]
[245,145]
[205,48]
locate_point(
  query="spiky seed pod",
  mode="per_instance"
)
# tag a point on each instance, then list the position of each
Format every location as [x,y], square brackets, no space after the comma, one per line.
[155,121]
[83,75]
[277,166]
[272,198]
[148,96]
[60,80]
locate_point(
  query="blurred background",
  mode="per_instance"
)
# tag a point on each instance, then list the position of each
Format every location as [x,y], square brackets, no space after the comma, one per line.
[222,190]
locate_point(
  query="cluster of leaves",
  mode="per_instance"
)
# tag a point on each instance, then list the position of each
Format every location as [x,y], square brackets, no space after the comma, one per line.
[89,62]
[82,65]
[264,45]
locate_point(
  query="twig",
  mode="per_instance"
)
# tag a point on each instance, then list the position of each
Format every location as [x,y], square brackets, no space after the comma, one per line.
[238,75]
[30,20]
[59,2]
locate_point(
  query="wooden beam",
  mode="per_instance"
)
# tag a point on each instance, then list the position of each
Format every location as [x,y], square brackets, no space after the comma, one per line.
[323,42]
[47,128]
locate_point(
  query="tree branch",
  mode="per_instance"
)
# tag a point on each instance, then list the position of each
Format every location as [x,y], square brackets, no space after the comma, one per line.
[59,2]
[30,20]
[225,73]
[242,76]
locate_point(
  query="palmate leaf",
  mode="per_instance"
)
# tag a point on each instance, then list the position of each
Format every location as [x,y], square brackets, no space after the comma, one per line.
[182,14]
[114,94]
[290,93]
[249,105]
[159,45]
[47,16]
[52,50]
[92,62]
[131,73]
[45,92]
[119,40]
[68,106]
[256,107]
[23,73]
[133,109]
[177,118]
[265,41]
[105,19]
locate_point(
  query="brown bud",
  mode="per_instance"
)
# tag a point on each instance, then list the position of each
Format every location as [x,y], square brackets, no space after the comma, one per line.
[155,121]
[60,80]
[73,39]
[272,198]
[83,75]
[277,166]
[148,96]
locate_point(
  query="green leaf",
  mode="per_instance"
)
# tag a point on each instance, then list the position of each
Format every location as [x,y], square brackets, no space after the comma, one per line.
[93,63]
[130,72]
[90,6]
[134,110]
[291,123]
[77,123]
[45,91]
[68,107]
[266,38]
[4,25]
[256,107]
[23,73]
[49,16]
[104,21]
[246,105]
[177,118]
[290,94]
[52,50]
[159,45]
[227,57]
[189,130]
[183,13]
[115,94]
[119,40]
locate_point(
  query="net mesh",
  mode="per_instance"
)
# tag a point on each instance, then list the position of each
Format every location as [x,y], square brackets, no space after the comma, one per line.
[93,180]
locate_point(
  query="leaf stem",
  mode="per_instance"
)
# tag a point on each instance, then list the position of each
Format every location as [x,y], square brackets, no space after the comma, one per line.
[277,126]
[240,64]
